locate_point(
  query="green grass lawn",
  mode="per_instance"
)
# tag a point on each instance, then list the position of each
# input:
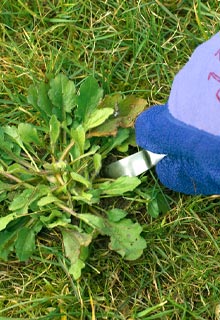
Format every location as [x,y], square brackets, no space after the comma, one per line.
[130,47]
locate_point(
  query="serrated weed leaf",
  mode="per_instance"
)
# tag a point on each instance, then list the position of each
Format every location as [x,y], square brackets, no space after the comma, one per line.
[32,96]
[54,131]
[130,141]
[122,135]
[97,162]
[76,269]
[80,179]
[153,208]
[9,147]
[125,112]
[25,243]
[44,103]
[14,134]
[29,134]
[74,241]
[55,219]
[120,185]
[83,197]
[97,117]
[111,101]
[79,138]
[47,200]
[116,214]
[110,127]
[124,234]
[163,204]
[7,242]
[4,221]
[62,93]
[128,110]
[22,201]
[114,142]
[36,97]
[126,239]
[90,94]
[94,221]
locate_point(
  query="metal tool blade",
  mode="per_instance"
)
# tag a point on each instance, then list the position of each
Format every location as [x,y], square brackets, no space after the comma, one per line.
[133,165]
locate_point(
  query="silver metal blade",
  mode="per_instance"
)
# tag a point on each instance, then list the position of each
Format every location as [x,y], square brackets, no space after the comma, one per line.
[133,165]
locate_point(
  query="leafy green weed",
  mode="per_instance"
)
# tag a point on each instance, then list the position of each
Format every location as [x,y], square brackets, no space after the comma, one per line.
[50,170]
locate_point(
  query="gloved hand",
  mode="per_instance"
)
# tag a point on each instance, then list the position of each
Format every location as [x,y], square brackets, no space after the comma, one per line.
[187,127]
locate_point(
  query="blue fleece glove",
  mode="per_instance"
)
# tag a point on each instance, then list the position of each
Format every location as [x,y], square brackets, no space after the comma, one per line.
[187,127]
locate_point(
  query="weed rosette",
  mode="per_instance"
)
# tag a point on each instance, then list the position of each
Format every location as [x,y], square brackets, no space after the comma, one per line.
[50,171]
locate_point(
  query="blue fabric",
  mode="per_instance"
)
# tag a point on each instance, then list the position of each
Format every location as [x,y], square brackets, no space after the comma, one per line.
[192,164]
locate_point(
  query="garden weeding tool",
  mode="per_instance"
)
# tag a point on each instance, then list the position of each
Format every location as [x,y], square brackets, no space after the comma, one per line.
[133,165]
